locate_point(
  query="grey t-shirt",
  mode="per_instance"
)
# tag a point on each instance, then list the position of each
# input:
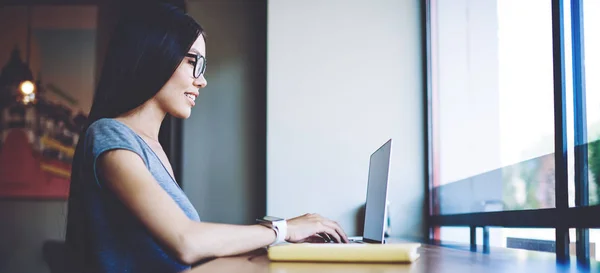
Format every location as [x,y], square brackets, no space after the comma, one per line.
[119,242]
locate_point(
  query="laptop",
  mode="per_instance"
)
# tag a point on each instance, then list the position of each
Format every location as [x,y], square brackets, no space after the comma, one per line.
[377,188]
[371,247]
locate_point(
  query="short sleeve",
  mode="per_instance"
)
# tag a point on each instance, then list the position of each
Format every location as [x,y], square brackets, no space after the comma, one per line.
[108,134]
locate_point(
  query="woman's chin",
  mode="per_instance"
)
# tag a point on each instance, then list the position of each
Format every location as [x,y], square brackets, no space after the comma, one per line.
[182,114]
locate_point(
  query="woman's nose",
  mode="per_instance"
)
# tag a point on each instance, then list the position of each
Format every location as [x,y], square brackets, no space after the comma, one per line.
[200,82]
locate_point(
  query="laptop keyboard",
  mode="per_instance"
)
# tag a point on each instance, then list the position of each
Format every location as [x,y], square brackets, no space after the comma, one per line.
[356,241]
[350,241]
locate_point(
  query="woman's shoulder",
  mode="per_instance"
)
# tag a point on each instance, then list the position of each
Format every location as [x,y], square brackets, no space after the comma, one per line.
[105,124]
[109,127]
[110,132]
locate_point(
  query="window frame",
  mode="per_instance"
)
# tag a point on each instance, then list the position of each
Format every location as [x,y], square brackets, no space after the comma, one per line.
[562,217]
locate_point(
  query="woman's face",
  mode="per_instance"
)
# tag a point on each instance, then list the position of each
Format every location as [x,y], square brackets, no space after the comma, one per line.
[178,95]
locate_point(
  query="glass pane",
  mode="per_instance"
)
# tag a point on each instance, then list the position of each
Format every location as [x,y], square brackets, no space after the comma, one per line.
[534,239]
[493,111]
[591,26]
[455,235]
[568,59]
[595,244]
[537,239]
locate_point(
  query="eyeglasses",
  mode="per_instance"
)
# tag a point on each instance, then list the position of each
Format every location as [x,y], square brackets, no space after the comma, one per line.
[199,64]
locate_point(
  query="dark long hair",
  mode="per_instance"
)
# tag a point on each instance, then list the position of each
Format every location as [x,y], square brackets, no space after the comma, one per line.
[147,45]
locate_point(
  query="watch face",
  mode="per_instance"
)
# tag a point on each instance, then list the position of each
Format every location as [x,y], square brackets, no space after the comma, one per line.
[272,218]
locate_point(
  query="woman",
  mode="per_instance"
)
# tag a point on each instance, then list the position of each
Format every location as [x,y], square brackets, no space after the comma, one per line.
[126,212]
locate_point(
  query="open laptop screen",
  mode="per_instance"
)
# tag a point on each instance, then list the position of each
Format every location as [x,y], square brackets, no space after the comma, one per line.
[377,194]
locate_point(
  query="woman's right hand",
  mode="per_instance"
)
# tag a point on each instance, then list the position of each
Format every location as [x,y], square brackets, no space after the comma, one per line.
[306,227]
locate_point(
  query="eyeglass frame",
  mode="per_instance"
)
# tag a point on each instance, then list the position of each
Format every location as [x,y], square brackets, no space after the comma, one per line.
[197,58]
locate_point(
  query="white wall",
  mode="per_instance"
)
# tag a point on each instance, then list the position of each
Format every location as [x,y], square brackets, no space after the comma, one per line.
[343,77]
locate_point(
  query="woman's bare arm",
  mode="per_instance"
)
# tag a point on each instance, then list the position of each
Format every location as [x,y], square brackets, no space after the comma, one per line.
[125,173]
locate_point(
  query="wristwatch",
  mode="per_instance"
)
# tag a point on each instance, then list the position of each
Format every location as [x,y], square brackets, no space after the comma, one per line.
[279,225]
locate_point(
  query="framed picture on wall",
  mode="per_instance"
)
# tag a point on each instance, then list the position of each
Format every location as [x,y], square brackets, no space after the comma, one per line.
[47,62]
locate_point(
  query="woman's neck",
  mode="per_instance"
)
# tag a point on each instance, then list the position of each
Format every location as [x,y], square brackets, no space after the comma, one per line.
[145,120]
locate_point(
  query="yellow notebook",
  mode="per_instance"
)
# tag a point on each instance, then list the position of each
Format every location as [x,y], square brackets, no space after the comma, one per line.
[400,252]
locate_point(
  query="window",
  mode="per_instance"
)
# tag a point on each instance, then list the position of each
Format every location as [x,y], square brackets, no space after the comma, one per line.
[591,26]
[514,123]
[595,244]
[535,239]
[494,122]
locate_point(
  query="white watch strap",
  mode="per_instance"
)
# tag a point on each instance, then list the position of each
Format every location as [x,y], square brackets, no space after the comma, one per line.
[281,231]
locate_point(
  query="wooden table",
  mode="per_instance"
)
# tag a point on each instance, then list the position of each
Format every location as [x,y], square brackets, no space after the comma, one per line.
[432,259]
